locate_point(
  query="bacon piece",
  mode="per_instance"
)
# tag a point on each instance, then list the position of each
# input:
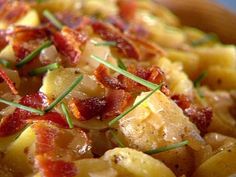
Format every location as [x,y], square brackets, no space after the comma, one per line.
[16,121]
[110,33]
[127,9]
[102,75]
[68,43]
[8,81]
[117,102]
[11,11]
[201,117]
[118,23]
[87,108]
[55,168]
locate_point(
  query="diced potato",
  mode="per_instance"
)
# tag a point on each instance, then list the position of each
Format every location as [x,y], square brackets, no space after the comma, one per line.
[30,19]
[177,80]
[137,163]
[57,81]
[223,164]
[15,156]
[220,78]
[6,141]
[189,60]
[223,56]
[160,122]
[8,54]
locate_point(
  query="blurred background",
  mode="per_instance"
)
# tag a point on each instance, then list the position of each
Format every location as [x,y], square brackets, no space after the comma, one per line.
[217,16]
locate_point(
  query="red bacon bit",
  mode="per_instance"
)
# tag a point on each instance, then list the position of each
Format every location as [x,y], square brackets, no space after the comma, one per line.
[102,75]
[182,101]
[118,23]
[11,11]
[88,108]
[110,33]
[16,121]
[117,102]
[8,81]
[127,9]
[68,43]
[55,168]
[201,117]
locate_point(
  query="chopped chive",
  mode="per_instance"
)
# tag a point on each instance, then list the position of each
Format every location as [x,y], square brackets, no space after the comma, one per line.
[33,54]
[112,122]
[5,63]
[167,148]
[106,43]
[148,84]
[52,19]
[40,1]
[206,38]
[120,144]
[64,94]
[199,79]
[44,69]
[120,64]
[20,106]
[66,112]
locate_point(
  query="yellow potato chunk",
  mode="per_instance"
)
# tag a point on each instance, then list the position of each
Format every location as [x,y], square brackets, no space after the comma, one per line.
[15,156]
[137,163]
[220,78]
[30,19]
[223,164]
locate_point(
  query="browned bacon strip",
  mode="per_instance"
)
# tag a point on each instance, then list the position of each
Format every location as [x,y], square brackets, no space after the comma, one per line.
[8,81]
[110,33]
[68,43]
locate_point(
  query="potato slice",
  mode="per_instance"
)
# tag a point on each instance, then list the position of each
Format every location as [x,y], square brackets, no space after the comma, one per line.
[223,164]
[137,163]
[15,157]
[220,78]
[30,19]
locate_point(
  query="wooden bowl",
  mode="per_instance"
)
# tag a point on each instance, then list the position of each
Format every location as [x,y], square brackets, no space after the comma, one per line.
[206,15]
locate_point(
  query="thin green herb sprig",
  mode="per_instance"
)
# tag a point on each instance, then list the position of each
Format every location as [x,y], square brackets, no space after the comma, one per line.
[66,112]
[113,121]
[64,94]
[141,81]
[197,83]
[167,148]
[20,106]
[121,64]
[118,141]
[44,69]
[206,38]
[5,63]
[105,43]
[33,54]
[52,19]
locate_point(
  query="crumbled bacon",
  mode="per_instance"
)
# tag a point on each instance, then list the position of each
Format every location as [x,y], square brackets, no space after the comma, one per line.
[117,102]
[152,74]
[127,9]
[16,121]
[118,23]
[55,168]
[110,33]
[11,11]
[8,81]
[200,116]
[87,108]
[68,42]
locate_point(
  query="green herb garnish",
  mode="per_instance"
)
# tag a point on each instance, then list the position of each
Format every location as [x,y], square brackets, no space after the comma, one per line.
[5,63]
[64,94]
[68,118]
[52,19]
[120,144]
[197,83]
[167,148]
[121,65]
[43,69]
[206,38]
[112,122]
[33,54]
[148,84]
[20,106]
[106,43]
